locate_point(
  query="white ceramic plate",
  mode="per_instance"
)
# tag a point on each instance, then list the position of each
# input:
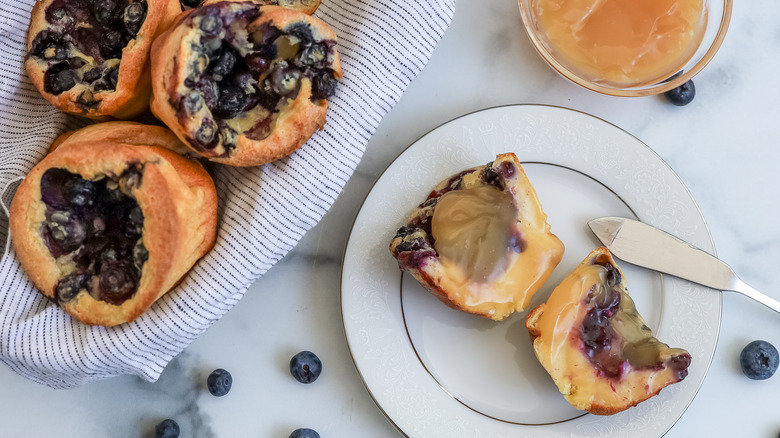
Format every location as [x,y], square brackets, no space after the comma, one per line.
[437,372]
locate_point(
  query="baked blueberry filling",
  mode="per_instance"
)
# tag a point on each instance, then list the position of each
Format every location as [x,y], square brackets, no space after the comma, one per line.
[239,76]
[417,237]
[94,228]
[83,44]
[614,336]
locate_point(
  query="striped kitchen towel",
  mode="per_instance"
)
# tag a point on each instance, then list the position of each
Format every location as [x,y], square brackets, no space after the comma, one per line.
[264,211]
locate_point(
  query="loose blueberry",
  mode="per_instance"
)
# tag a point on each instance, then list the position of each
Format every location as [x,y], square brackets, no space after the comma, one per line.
[682,95]
[304,433]
[759,360]
[305,367]
[167,429]
[219,382]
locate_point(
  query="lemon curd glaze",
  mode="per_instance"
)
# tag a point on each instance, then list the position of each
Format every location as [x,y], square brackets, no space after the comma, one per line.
[632,368]
[623,42]
[492,261]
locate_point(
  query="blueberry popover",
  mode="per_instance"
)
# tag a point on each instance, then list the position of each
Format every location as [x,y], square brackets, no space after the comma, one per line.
[104,227]
[91,57]
[595,345]
[480,242]
[244,84]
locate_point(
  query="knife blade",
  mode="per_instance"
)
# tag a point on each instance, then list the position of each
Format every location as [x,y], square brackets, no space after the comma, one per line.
[646,246]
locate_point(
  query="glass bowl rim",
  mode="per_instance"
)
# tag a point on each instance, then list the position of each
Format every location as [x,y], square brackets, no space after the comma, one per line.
[657,88]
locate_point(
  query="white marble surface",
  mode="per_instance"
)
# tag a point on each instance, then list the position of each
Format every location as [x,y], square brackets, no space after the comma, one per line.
[724,146]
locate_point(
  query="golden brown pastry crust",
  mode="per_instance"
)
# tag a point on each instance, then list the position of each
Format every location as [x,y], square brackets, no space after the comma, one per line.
[528,268]
[133,88]
[296,122]
[554,328]
[177,198]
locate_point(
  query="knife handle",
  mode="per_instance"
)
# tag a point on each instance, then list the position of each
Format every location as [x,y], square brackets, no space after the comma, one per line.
[743,288]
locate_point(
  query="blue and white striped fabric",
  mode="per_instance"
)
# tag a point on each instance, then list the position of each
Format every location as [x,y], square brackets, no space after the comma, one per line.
[264,211]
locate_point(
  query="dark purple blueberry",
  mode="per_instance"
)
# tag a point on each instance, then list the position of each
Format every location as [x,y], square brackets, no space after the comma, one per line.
[140,255]
[210,93]
[679,364]
[106,12]
[305,367]
[70,285]
[682,95]
[56,15]
[67,230]
[116,282]
[225,64]
[285,81]
[256,62]
[207,134]
[167,429]
[311,55]
[232,101]
[79,191]
[261,129]
[52,182]
[197,67]
[108,81]
[111,44]
[211,46]
[219,382]
[304,433]
[133,17]
[323,86]
[189,4]
[59,78]
[302,31]
[92,75]
[267,33]
[211,24]
[193,101]
[759,360]
[516,243]
[44,40]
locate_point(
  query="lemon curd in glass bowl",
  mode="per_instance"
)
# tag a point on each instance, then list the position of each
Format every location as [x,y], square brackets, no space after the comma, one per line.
[627,47]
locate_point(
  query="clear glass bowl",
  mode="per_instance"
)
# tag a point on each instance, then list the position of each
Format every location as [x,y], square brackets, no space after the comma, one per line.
[718,17]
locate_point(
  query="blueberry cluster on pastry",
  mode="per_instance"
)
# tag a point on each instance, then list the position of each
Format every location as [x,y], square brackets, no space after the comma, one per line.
[595,345]
[244,84]
[105,226]
[480,242]
[90,57]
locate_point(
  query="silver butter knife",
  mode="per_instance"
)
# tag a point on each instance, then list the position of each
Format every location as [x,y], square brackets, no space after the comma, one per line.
[643,245]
